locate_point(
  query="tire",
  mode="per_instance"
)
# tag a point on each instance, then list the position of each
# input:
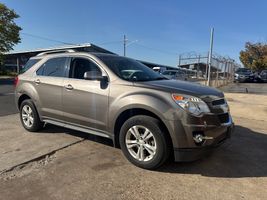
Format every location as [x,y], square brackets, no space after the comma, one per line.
[29,116]
[152,142]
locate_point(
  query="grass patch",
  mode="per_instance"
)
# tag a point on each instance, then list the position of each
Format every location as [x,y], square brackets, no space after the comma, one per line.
[8,73]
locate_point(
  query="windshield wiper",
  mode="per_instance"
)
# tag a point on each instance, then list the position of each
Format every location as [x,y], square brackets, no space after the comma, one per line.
[146,80]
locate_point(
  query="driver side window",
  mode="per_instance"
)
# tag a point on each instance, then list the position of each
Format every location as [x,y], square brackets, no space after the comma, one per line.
[81,65]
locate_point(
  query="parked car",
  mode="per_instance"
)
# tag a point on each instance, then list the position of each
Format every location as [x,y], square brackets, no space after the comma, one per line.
[244,75]
[143,113]
[175,75]
[262,76]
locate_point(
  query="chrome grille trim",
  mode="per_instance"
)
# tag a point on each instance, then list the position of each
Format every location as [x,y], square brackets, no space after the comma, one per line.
[218,102]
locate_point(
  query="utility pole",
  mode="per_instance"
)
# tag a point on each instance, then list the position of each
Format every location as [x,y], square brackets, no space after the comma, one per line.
[210,54]
[198,61]
[180,58]
[225,72]
[124,45]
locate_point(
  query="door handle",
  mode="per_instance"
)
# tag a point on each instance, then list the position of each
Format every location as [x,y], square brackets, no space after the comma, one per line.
[68,87]
[37,81]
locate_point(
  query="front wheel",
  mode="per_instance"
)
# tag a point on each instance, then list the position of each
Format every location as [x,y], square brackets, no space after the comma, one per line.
[144,143]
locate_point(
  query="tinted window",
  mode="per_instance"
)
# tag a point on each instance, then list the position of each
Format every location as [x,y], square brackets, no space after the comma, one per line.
[29,64]
[172,73]
[129,69]
[81,65]
[180,72]
[165,73]
[54,67]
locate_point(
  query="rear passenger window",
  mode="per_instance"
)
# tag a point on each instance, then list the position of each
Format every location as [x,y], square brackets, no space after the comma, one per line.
[81,65]
[54,67]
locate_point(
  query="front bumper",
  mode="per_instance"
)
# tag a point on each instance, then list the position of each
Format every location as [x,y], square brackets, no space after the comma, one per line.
[196,153]
[215,128]
[244,78]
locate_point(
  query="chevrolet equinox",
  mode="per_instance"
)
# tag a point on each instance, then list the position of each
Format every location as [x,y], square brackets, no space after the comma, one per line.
[146,115]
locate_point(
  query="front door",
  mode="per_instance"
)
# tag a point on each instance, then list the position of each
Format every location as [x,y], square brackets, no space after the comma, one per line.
[85,102]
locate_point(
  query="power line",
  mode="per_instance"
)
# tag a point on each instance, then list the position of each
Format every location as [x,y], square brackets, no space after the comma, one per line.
[111,42]
[62,42]
[154,49]
[104,43]
[48,39]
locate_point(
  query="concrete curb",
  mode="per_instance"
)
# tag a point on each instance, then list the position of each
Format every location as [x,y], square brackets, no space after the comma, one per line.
[7,77]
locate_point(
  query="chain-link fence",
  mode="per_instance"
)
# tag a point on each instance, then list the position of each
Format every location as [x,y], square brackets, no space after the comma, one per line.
[196,67]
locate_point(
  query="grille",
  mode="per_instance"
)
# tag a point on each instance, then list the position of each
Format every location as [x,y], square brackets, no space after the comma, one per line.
[224,118]
[218,102]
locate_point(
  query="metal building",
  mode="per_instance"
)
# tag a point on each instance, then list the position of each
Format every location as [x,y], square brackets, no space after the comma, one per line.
[14,61]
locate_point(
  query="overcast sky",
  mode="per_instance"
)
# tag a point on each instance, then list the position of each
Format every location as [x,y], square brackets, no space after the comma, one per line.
[159,30]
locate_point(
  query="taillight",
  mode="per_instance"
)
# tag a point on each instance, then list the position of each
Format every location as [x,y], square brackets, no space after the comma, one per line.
[16,81]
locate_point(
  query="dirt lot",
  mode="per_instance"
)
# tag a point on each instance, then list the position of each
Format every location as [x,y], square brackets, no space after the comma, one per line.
[63,164]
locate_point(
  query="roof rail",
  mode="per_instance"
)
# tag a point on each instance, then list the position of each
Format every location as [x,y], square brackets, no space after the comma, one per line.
[56,51]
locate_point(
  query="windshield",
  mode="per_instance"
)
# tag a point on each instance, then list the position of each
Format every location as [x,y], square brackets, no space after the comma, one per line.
[129,69]
[169,73]
[243,70]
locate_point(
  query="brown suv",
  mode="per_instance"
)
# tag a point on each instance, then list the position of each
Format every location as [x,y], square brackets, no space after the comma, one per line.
[149,117]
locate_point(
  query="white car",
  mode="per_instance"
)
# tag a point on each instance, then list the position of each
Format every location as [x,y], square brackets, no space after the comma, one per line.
[175,75]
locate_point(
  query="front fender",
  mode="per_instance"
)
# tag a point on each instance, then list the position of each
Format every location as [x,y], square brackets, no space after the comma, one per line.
[156,104]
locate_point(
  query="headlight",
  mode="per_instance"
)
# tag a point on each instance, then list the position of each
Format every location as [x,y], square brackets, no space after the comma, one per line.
[193,105]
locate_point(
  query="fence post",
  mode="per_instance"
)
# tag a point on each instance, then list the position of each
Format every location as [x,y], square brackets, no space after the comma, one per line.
[225,73]
[210,53]
[17,65]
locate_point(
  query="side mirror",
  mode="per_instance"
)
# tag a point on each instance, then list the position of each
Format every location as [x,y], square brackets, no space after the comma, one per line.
[93,75]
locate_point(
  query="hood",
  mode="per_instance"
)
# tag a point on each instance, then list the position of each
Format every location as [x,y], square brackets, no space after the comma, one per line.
[246,73]
[181,87]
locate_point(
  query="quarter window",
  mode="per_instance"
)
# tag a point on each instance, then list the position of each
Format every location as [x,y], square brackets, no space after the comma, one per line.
[29,64]
[54,67]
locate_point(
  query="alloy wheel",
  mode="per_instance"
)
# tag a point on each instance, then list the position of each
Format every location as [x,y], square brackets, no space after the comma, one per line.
[141,143]
[27,116]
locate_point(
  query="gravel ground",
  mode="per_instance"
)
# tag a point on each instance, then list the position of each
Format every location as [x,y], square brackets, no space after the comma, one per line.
[92,170]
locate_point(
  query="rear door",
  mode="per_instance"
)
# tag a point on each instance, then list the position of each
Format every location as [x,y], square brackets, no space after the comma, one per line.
[48,83]
[85,102]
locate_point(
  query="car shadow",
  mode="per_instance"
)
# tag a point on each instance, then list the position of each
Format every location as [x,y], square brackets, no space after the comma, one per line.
[244,155]
[49,128]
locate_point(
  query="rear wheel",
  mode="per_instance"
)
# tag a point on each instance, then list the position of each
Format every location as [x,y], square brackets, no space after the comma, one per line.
[29,116]
[144,143]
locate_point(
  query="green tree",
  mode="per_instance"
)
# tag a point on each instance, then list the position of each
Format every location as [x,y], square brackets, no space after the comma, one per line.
[254,56]
[9,30]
